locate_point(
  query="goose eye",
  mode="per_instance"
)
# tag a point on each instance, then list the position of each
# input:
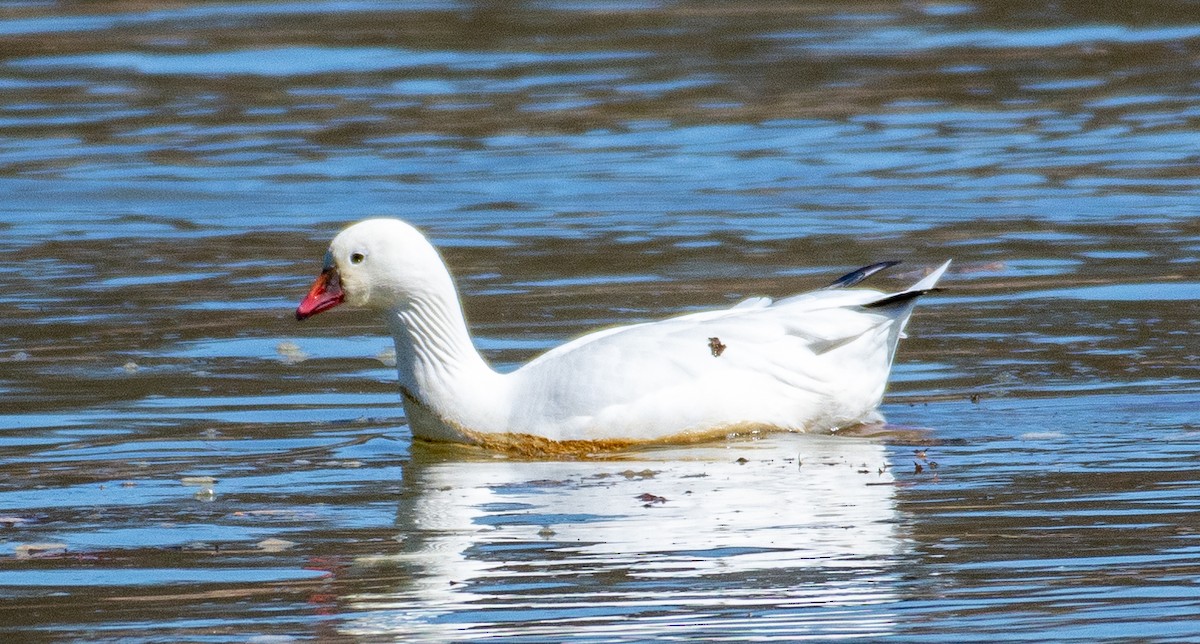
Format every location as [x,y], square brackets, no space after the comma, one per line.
[357,258]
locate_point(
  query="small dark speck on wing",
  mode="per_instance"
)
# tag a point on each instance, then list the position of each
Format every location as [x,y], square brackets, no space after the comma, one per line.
[714,344]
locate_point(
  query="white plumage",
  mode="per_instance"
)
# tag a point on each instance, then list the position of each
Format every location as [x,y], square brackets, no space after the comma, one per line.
[817,361]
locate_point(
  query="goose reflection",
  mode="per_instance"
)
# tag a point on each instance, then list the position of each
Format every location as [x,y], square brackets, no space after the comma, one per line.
[786,535]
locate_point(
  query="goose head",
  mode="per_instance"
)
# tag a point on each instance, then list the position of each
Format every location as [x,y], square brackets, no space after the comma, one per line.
[380,264]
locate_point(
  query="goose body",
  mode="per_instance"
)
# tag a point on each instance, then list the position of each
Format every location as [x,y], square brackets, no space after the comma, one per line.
[817,361]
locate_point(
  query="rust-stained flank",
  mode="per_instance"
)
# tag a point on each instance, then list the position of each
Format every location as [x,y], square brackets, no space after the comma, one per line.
[531,446]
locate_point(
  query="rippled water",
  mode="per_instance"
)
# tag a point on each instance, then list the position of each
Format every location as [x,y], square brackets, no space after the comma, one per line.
[183,461]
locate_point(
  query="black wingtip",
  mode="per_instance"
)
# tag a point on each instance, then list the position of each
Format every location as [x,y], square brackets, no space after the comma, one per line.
[854,277]
[899,298]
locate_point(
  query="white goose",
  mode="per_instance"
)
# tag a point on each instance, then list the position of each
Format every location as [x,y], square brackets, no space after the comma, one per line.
[818,361]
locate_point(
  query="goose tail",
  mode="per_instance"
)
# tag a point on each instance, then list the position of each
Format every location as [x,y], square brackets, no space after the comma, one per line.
[899,306]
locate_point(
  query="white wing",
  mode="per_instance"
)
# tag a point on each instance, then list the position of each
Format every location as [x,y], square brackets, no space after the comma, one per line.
[811,361]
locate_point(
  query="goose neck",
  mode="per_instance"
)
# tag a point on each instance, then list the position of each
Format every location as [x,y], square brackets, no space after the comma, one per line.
[432,342]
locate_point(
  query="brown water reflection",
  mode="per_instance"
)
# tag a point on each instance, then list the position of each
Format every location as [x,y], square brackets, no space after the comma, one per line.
[183,461]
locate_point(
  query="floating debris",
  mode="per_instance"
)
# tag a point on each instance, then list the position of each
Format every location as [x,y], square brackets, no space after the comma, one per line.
[347,464]
[275,545]
[644,474]
[27,550]
[205,483]
[387,357]
[290,352]
[286,513]
[130,367]
[547,483]
[1041,436]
